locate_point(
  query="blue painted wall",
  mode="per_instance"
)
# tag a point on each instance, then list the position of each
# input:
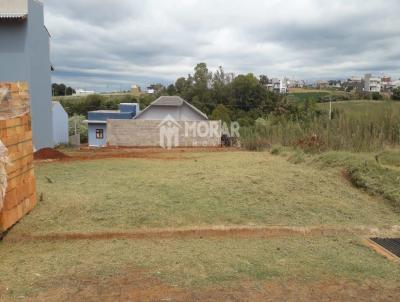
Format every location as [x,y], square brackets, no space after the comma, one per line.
[104,116]
[126,111]
[93,141]
[25,57]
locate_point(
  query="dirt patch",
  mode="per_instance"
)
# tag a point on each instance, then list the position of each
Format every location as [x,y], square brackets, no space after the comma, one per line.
[143,287]
[87,153]
[49,153]
[200,233]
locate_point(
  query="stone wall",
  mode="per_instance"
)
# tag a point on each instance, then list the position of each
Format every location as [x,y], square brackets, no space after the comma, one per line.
[155,133]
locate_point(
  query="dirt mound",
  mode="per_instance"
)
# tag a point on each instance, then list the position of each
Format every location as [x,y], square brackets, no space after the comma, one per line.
[49,153]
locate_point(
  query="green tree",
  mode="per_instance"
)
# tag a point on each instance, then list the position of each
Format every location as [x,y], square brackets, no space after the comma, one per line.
[76,121]
[250,94]
[146,100]
[396,94]
[221,113]
[264,80]
[171,90]
[61,90]
[201,77]
[376,96]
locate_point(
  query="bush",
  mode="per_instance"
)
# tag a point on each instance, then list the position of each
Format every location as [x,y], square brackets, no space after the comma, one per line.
[81,128]
[82,105]
[252,141]
[364,171]
[396,94]
[376,96]
[370,130]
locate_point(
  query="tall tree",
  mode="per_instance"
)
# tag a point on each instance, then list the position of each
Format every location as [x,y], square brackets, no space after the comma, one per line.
[264,79]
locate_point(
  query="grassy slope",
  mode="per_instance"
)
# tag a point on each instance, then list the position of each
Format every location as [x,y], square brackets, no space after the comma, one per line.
[376,173]
[236,188]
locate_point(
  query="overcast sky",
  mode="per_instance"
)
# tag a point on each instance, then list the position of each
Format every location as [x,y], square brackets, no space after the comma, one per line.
[108,44]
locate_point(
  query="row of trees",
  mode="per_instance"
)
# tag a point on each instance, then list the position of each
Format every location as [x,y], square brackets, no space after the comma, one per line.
[225,96]
[220,95]
[61,90]
[82,105]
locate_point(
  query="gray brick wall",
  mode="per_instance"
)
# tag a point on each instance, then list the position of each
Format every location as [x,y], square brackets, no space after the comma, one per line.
[146,133]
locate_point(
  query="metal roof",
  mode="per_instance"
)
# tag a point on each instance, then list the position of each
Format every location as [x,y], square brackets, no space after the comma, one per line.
[173,101]
[13,9]
[168,101]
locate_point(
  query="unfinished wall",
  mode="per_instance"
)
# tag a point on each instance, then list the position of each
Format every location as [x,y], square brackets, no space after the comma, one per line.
[147,133]
[17,150]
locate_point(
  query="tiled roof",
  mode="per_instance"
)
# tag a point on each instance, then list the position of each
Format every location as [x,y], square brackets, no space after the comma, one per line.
[173,101]
[168,101]
[12,9]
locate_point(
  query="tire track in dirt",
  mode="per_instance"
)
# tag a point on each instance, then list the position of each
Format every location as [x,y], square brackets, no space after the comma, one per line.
[200,233]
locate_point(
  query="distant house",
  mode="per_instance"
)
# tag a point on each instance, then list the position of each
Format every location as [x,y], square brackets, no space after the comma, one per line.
[81,92]
[60,124]
[171,106]
[372,84]
[168,122]
[355,83]
[25,57]
[321,84]
[278,85]
[97,122]
[136,91]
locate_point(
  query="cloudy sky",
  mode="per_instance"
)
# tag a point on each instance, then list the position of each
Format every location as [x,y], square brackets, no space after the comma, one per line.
[111,44]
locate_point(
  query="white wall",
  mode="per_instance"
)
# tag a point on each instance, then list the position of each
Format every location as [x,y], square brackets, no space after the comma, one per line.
[60,124]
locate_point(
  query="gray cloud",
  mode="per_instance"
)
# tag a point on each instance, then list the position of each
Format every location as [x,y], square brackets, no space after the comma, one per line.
[110,44]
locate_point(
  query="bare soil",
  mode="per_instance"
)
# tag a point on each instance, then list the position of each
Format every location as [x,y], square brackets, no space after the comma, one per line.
[49,153]
[86,153]
[214,232]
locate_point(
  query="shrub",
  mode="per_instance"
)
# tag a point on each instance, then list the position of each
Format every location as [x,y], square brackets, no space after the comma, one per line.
[370,130]
[81,128]
[252,141]
[376,96]
[396,94]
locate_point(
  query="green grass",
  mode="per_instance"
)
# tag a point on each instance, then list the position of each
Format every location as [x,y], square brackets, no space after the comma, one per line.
[318,95]
[30,268]
[362,107]
[199,189]
[376,173]
[355,126]
[205,189]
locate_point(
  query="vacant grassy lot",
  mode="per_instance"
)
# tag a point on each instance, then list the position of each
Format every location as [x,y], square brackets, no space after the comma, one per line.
[363,107]
[197,264]
[197,189]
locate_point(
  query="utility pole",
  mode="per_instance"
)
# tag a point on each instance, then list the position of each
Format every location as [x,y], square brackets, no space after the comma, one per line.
[330,108]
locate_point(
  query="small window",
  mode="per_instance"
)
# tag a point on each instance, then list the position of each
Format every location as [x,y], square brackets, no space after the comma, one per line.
[99,133]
